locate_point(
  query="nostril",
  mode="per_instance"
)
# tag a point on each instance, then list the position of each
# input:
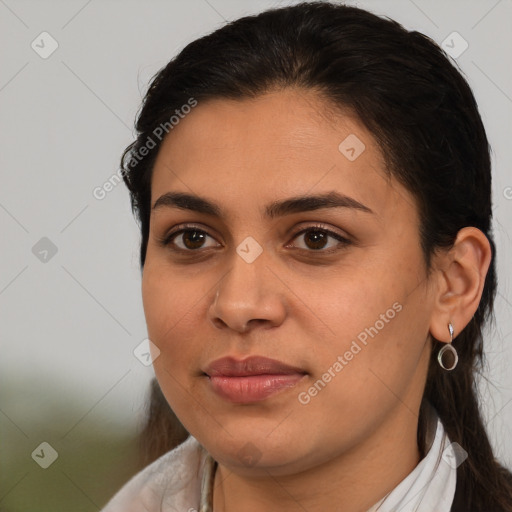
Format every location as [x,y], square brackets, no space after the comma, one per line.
[218,322]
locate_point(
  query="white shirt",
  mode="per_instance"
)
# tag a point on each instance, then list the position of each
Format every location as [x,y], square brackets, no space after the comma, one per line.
[172,483]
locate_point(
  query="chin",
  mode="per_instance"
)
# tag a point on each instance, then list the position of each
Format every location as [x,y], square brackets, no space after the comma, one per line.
[252,449]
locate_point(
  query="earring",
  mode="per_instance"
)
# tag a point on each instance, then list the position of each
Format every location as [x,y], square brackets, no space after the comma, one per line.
[448,347]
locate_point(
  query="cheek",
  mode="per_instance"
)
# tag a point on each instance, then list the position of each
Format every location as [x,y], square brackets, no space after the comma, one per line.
[167,306]
[375,331]
[355,305]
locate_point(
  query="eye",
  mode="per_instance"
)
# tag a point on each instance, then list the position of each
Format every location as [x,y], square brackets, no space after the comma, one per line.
[188,239]
[316,238]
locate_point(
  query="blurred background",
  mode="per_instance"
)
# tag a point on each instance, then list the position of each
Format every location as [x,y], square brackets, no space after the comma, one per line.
[73,382]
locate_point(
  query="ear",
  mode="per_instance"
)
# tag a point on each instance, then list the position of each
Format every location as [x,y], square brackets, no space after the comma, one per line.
[461,275]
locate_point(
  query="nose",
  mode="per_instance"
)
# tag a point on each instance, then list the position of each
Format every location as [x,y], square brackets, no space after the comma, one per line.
[248,295]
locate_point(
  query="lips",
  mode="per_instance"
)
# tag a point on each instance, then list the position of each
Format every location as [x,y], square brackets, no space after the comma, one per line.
[251,380]
[255,365]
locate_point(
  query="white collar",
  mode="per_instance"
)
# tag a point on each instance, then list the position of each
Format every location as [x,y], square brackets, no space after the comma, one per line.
[431,484]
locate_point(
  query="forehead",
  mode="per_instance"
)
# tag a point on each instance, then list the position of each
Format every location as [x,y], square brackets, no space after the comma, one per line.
[285,143]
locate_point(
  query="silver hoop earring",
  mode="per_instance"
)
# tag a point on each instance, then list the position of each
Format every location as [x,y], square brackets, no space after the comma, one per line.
[448,347]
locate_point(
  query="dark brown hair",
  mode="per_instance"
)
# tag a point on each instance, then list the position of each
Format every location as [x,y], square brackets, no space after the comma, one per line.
[422,113]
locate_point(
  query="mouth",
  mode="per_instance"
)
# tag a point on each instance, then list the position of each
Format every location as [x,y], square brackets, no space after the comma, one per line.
[251,380]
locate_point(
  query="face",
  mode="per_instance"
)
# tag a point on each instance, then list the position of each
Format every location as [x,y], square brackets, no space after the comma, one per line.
[301,250]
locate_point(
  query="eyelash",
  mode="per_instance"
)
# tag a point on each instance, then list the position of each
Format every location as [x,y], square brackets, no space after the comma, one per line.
[167,240]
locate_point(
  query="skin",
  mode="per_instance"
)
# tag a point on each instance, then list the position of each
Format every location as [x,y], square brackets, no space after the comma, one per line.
[355,440]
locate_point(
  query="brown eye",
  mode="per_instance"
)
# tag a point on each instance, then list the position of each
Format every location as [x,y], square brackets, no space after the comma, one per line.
[189,240]
[317,239]
[193,239]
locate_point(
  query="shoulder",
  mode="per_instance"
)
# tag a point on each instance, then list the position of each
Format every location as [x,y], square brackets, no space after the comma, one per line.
[172,482]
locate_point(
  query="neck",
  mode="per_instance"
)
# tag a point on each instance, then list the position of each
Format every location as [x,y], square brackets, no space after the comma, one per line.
[349,482]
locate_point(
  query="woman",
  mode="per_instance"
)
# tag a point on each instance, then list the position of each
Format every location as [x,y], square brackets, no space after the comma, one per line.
[314,195]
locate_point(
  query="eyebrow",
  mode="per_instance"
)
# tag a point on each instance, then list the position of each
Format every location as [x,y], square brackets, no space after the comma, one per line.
[274,209]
